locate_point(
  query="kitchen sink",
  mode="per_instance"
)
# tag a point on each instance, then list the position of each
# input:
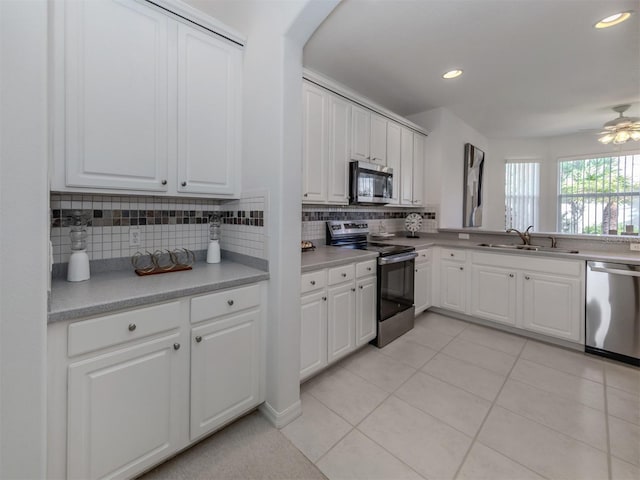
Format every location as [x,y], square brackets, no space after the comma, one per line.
[528,248]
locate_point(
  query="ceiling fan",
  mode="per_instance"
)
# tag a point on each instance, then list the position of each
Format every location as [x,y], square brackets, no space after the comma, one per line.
[621,129]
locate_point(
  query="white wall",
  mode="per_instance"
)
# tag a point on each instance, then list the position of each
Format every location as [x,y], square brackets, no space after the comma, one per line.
[23,238]
[547,151]
[444,172]
[272,159]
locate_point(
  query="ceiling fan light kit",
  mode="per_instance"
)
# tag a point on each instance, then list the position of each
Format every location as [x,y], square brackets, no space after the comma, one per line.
[621,129]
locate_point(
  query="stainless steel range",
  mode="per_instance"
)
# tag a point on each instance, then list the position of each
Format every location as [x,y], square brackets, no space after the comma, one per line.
[395,308]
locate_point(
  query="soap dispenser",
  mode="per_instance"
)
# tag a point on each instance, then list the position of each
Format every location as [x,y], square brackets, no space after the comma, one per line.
[78,269]
[213,251]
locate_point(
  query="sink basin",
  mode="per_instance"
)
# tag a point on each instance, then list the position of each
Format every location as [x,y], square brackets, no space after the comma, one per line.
[527,248]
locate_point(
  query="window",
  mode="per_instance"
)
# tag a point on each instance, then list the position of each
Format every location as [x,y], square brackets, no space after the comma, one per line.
[599,194]
[522,194]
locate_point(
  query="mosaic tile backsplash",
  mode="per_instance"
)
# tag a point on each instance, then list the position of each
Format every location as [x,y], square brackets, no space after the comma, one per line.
[379,219]
[163,224]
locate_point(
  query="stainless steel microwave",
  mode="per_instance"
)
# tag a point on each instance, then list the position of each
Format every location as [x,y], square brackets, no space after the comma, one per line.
[369,183]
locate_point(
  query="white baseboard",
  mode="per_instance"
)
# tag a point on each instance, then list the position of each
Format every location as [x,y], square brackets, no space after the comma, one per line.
[281,419]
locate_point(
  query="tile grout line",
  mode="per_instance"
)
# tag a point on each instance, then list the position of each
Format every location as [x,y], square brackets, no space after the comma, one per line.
[484,420]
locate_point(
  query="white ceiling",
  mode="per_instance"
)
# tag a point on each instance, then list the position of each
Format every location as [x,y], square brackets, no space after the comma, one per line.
[531,67]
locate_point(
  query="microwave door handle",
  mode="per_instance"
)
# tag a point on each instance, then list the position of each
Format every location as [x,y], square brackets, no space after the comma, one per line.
[397,258]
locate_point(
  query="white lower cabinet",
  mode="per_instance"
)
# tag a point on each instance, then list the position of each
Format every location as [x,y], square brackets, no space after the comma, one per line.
[130,389]
[124,409]
[337,314]
[552,305]
[533,293]
[422,281]
[366,293]
[493,293]
[342,317]
[225,370]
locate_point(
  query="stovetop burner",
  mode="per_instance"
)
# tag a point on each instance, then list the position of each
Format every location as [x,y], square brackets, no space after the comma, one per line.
[353,234]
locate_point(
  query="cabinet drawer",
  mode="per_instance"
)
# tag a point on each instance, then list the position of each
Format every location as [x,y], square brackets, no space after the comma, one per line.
[424,256]
[453,254]
[341,274]
[224,302]
[89,335]
[313,281]
[364,269]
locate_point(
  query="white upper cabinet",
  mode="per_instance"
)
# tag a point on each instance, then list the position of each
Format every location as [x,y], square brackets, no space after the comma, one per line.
[338,151]
[360,134]
[418,169]
[209,99]
[406,167]
[116,93]
[393,159]
[143,102]
[314,144]
[378,153]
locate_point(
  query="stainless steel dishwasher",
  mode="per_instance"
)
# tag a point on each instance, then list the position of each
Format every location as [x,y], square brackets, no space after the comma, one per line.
[613,311]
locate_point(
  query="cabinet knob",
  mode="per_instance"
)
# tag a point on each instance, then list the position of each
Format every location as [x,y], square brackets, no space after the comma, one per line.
[324,298]
[416,270]
[451,255]
[527,277]
[198,339]
[184,184]
[306,194]
[511,275]
[361,287]
[369,269]
[353,289]
[313,282]
[344,274]
[230,302]
[461,268]
[163,182]
[176,346]
[132,327]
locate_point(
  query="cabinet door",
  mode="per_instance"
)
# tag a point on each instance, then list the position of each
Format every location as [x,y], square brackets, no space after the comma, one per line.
[393,159]
[366,320]
[116,95]
[552,305]
[209,109]
[313,334]
[341,320]
[314,144]
[453,291]
[378,142]
[125,409]
[406,167]
[225,370]
[360,133]
[493,294]
[422,286]
[338,150]
[418,169]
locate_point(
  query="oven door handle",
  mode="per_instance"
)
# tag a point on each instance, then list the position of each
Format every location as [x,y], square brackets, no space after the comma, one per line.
[397,258]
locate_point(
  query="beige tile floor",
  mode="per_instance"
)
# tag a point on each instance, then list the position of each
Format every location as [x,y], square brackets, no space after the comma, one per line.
[455,400]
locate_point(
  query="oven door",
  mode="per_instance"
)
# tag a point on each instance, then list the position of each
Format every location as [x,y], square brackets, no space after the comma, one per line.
[395,284]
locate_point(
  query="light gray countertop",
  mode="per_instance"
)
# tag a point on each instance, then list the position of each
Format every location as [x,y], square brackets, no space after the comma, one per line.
[325,257]
[110,291]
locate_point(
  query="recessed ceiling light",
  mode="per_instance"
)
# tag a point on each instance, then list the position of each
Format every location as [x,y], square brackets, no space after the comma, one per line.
[614,19]
[452,74]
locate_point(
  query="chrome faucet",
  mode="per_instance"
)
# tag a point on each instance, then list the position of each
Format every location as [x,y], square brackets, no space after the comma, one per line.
[525,237]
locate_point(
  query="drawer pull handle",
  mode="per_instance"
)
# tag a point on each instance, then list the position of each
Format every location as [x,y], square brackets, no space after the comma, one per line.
[230,303]
[176,346]
[198,339]
[132,327]
[313,282]
[184,184]
[324,298]
[344,274]
[163,182]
